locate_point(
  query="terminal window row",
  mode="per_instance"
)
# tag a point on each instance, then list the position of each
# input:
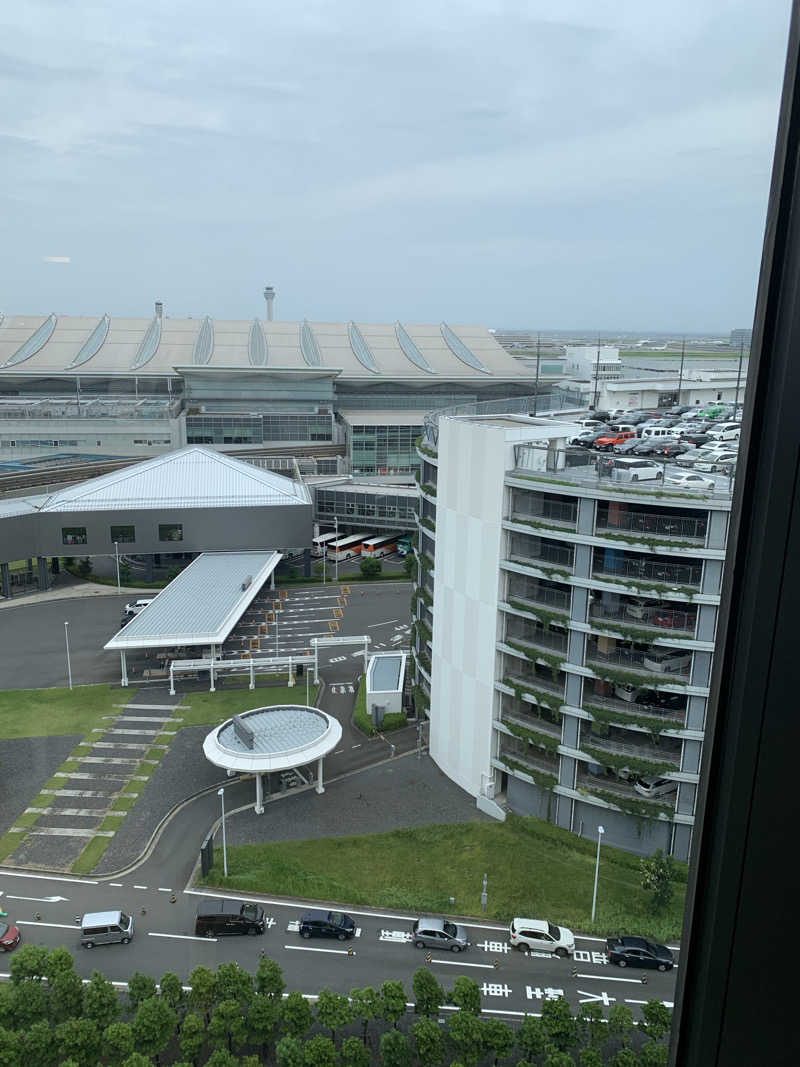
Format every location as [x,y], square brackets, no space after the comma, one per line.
[122,535]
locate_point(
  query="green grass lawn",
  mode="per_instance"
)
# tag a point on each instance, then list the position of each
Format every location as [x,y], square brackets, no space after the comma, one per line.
[209,709]
[535,870]
[48,712]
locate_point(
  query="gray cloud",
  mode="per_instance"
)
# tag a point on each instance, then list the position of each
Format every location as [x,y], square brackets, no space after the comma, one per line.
[599,163]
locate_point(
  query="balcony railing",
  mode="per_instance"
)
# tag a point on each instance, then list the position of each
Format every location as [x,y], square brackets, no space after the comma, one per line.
[640,750]
[665,526]
[671,620]
[656,571]
[541,596]
[675,717]
[536,637]
[624,796]
[635,661]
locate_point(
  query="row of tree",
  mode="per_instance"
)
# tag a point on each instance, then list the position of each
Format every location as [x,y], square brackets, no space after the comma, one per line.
[50,1017]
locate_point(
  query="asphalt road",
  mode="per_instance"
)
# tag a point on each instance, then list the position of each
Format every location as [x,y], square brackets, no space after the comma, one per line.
[32,636]
[512,983]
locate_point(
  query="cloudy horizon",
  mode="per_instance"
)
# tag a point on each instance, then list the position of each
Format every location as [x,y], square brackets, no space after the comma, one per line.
[598,166]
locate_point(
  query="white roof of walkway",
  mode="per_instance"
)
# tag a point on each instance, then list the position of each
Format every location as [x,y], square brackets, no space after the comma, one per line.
[202,605]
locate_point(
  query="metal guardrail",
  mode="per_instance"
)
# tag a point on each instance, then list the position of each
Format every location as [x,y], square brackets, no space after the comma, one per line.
[540,404]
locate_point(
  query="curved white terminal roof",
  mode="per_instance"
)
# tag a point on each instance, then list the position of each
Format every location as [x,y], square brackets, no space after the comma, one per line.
[282,737]
[39,344]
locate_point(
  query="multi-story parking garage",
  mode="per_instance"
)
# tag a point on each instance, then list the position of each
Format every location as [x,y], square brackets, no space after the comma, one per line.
[564,630]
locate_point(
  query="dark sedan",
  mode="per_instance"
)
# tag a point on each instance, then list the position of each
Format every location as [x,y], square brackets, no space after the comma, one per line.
[639,952]
[336,924]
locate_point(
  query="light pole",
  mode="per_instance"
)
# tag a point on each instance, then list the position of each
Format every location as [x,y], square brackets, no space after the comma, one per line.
[69,665]
[306,673]
[600,832]
[336,553]
[116,553]
[221,795]
[276,631]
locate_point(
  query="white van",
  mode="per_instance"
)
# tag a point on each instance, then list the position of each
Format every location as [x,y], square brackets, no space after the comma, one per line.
[627,469]
[667,660]
[106,928]
[656,432]
[137,606]
[726,431]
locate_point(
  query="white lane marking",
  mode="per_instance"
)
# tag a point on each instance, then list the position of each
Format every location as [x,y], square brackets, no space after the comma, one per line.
[356,746]
[308,948]
[459,963]
[181,937]
[116,885]
[39,900]
[60,926]
[401,936]
[338,752]
[48,877]
[164,890]
[387,623]
[140,887]
[609,978]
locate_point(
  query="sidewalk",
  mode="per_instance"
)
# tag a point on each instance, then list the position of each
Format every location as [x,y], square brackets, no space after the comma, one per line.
[75,589]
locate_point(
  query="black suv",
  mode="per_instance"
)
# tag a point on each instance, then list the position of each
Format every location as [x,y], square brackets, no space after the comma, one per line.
[638,952]
[218,918]
[327,924]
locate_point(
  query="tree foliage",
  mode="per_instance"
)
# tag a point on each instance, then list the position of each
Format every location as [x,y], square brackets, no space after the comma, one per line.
[395,1050]
[393,1001]
[429,993]
[657,873]
[466,995]
[333,1011]
[297,1015]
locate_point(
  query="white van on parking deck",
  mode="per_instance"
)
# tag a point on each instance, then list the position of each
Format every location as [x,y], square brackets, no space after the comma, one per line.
[106,928]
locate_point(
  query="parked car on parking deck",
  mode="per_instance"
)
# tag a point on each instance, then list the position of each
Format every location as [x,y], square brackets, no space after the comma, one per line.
[639,952]
[607,441]
[654,786]
[689,480]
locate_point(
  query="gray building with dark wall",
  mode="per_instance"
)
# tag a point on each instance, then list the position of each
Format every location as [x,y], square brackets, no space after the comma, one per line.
[187,501]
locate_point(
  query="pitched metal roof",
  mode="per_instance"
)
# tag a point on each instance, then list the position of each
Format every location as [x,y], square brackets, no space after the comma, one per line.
[189,477]
[202,605]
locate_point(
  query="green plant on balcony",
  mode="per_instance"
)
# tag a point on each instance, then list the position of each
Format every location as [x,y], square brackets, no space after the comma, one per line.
[425,630]
[645,587]
[617,677]
[653,543]
[425,596]
[421,699]
[535,737]
[427,488]
[629,763]
[642,809]
[553,573]
[554,661]
[541,524]
[541,778]
[542,697]
[424,659]
[654,727]
[546,616]
[630,633]
[412,634]
[429,524]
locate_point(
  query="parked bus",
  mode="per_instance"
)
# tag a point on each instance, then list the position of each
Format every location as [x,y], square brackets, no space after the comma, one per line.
[319,544]
[376,547]
[346,547]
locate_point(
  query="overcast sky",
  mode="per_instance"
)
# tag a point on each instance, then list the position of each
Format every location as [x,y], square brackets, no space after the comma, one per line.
[592,164]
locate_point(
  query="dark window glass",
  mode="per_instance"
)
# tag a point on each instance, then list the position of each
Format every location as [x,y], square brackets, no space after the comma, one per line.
[123,534]
[170,531]
[73,535]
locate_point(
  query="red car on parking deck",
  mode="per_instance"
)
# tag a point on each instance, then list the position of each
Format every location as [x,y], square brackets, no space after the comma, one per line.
[675,620]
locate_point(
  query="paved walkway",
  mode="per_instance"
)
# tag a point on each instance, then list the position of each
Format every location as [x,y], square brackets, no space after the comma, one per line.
[113,764]
[76,588]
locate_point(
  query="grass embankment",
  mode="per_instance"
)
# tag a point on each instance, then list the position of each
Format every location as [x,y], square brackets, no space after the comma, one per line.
[53,712]
[534,869]
[394,721]
[209,709]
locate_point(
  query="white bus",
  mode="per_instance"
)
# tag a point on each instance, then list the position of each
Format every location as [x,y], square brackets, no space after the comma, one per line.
[376,547]
[319,544]
[346,547]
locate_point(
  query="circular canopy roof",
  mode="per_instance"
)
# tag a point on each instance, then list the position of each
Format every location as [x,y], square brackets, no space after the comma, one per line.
[272,739]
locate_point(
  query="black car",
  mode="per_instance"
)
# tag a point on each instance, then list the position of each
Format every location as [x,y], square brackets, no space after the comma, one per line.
[327,924]
[221,918]
[638,952]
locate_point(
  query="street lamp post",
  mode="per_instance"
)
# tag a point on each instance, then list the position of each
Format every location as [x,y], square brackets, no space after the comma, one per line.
[221,795]
[600,832]
[116,553]
[69,665]
[336,554]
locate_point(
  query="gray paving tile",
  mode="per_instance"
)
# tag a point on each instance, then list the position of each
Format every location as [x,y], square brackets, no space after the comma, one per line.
[51,853]
[27,763]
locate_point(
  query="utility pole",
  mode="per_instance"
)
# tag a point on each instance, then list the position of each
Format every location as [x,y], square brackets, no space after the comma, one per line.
[738,377]
[680,372]
[538,357]
[336,553]
[596,373]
